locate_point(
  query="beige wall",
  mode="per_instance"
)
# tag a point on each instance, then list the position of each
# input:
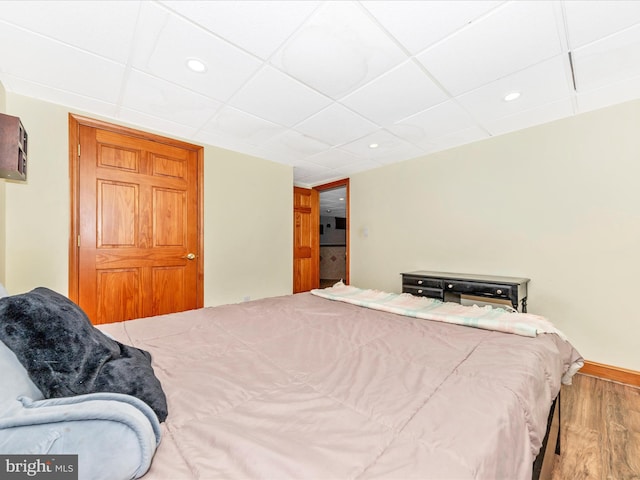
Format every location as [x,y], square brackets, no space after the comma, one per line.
[37,211]
[248,227]
[247,215]
[558,203]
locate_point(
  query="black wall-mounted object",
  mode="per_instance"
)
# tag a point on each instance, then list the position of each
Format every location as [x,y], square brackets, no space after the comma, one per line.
[341,223]
[13,148]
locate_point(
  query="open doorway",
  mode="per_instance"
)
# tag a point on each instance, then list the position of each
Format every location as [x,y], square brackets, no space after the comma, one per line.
[334,232]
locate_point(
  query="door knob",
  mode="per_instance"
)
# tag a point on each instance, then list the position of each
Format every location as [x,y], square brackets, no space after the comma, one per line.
[190,256]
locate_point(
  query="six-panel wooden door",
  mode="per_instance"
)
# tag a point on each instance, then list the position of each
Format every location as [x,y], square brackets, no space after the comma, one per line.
[306,239]
[138,228]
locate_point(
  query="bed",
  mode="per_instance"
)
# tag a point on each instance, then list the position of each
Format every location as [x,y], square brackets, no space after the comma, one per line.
[308,386]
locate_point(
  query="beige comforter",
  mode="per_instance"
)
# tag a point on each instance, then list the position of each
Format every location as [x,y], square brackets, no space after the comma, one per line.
[303,387]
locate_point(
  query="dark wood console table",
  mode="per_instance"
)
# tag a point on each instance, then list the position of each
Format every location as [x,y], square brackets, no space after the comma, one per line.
[452,285]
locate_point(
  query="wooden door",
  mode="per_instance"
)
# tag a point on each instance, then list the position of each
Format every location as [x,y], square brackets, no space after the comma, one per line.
[137,224]
[306,238]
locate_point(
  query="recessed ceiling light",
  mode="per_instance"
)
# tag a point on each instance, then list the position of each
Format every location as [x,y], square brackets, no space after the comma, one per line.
[341,199]
[196,65]
[510,97]
[373,145]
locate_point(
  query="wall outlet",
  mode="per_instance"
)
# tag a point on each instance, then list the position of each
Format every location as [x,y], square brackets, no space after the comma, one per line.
[246,298]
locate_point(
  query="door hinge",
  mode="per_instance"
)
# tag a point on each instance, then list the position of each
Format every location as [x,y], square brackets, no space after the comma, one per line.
[78,240]
[78,149]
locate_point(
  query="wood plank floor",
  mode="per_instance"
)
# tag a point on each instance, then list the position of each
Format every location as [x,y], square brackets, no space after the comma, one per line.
[600,435]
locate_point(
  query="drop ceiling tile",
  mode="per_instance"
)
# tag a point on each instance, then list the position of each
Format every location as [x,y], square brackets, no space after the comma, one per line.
[447,117]
[166,42]
[267,92]
[419,24]
[58,66]
[390,148]
[335,125]
[337,50]
[81,61]
[311,173]
[219,140]
[462,137]
[510,38]
[334,158]
[159,125]
[540,84]
[609,95]
[588,21]
[162,99]
[398,94]
[88,25]
[259,27]
[609,60]
[227,142]
[74,101]
[357,167]
[291,147]
[529,118]
[242,126]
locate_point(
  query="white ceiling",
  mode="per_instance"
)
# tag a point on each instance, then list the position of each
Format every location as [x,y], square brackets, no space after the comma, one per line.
[313,84]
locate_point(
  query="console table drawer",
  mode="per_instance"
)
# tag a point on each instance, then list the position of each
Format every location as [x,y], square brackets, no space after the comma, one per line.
[451,286]
[421,282]
[423,291]
[492,290]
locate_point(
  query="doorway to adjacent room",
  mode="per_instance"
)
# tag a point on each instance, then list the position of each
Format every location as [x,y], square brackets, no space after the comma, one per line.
[334,233]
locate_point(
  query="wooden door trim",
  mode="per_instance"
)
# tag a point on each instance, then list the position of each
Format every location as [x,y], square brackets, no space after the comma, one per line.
[330,186]
[75,121]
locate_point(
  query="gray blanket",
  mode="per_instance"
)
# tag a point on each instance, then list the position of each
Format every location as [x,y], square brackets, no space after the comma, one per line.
[66,355]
